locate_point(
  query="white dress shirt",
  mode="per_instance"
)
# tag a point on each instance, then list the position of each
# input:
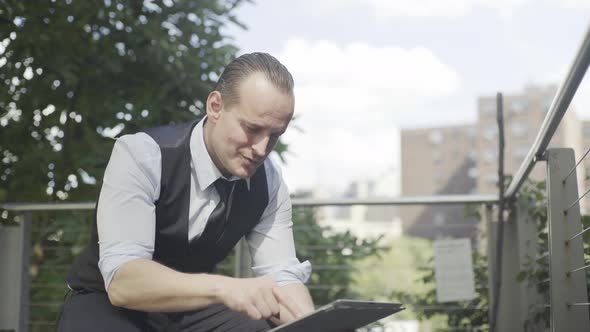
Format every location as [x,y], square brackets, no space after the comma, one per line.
[126,216]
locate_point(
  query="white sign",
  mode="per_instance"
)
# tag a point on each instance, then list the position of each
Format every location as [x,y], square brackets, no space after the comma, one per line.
[453,270]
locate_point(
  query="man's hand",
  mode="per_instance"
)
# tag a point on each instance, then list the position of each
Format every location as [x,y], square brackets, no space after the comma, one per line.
[289,312]
[259,298]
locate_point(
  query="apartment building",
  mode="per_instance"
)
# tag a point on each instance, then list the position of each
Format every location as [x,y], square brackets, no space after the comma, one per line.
[464,159]
[437,161]
[523,116]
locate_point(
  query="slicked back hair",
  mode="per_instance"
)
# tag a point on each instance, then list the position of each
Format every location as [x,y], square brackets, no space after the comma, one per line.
[247,64]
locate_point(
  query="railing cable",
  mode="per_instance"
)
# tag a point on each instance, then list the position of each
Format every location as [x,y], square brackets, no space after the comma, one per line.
[574,168]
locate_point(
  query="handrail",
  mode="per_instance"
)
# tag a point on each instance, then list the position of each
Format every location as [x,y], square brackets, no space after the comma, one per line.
[407,200]
[558,107]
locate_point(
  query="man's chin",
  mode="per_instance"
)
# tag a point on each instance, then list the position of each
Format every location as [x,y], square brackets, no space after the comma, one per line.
[246,171]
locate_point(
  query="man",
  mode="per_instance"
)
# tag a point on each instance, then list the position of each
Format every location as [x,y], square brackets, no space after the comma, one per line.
[174,202]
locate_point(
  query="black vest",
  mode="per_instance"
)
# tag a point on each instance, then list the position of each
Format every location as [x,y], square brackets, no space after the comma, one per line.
[172,247]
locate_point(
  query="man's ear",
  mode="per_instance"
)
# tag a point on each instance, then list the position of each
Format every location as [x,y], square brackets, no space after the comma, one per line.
[214,106]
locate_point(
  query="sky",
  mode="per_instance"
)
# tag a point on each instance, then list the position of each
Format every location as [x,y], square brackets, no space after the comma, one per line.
[364,69]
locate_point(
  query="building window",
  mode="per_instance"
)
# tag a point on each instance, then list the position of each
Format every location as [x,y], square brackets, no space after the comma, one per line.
[490,132]
[519,106]
[437,179]
[492,179]
[472,172]
[457,134]
[488,107]
[490,155]
[435,137]
[519,129]
[436,157]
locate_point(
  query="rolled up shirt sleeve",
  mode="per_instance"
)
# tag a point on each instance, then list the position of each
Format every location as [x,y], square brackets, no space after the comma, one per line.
[288,272]
[126,210]
[114,254]
[271,242]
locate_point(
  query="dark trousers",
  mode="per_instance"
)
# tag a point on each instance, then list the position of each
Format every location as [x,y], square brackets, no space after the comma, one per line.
[93,311]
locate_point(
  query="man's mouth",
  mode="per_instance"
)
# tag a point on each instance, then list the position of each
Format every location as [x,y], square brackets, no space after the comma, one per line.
[251,161]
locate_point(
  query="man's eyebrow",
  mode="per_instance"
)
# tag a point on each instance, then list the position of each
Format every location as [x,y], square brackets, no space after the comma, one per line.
[251,124]
[255,125]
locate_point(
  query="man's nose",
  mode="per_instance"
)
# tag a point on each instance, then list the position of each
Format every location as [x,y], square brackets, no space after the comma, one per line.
[260,147]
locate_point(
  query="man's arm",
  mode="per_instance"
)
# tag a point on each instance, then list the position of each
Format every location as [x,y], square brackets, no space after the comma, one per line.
[142,284]
[299,293]
[145,285]
[273,253]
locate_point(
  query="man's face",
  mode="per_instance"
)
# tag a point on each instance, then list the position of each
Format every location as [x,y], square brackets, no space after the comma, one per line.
[243,134]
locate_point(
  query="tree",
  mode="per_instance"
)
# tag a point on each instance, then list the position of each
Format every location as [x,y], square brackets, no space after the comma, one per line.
[334,256]
[463,314]
[377,277]
[75,74]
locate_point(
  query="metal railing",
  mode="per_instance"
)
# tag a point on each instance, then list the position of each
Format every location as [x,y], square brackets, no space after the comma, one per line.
[567,290]
[557,110]
[296,202]
[26,310]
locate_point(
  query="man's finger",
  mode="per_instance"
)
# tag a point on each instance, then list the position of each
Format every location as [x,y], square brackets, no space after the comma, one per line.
[287,302]
[263,307]
[272,303]
[253,312]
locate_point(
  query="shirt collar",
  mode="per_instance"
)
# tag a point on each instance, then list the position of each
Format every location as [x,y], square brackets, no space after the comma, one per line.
[207,172]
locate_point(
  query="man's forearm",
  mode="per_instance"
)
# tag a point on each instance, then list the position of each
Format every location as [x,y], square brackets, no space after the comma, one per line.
[145,285]
[299,293]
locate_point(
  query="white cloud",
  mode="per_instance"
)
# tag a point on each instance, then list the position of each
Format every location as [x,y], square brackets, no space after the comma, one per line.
[409,8]
[357,75]
[386,9]
[350,101]
[573,3]
[334,157]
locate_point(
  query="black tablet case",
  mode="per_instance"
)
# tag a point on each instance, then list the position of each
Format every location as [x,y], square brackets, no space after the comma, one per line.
[341,315]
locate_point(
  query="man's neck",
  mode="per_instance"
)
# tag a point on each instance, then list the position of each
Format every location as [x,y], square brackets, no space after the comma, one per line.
[207,128]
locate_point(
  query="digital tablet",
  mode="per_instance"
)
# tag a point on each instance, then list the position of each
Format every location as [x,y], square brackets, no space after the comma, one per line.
[341,315]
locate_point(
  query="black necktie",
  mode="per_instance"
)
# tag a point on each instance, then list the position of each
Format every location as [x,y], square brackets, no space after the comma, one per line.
[220,214]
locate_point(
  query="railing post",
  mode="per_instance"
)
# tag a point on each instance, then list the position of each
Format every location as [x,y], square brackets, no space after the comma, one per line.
[528,249]
[520,248]
[25,236]
[487,214]
[15,250]
[511,315]
[565,255]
